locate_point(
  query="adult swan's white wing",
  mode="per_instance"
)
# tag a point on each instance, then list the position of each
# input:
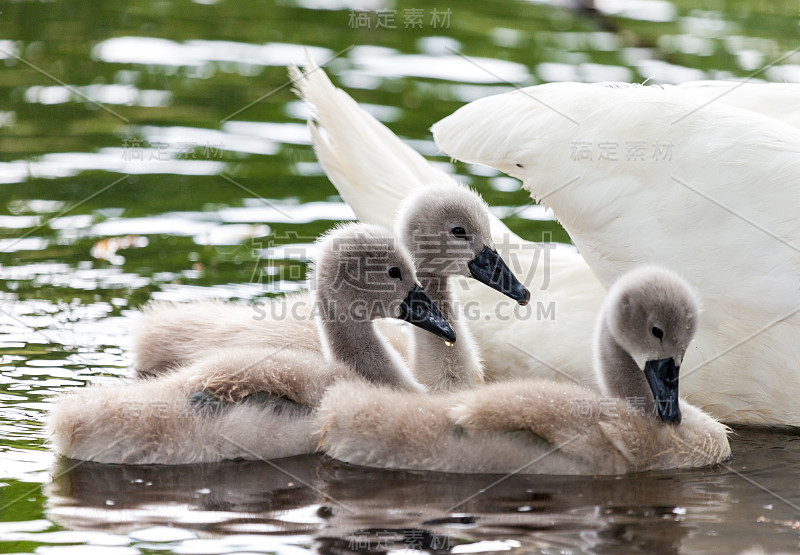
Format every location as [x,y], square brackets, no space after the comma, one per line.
[778,100]
[660,175]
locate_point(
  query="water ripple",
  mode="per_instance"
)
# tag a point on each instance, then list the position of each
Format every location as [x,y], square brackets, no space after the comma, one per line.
[158,51]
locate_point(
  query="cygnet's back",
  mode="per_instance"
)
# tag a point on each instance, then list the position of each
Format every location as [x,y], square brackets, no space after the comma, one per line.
[187,416]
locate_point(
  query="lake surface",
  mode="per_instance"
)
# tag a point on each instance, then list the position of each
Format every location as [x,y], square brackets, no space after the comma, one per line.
[154,151]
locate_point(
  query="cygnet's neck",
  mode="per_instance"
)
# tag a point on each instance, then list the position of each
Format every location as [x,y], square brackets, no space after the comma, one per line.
[618,373]
[439,366]
[355,343]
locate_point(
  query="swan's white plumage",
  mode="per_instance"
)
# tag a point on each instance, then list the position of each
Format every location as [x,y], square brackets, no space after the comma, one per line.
[722,210]
[355,130]
[777,100]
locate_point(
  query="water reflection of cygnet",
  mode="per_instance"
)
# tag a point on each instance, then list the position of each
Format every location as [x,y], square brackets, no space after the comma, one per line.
[337,506]
[645,511]
[220,498]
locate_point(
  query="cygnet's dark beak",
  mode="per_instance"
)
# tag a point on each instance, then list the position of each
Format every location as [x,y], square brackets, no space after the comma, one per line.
[420,310]
[489,268]
[662,375]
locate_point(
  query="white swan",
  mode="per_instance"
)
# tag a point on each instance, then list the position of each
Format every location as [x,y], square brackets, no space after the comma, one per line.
[543,426]
[257,402]
[750,394]
[566,280]
[714,194]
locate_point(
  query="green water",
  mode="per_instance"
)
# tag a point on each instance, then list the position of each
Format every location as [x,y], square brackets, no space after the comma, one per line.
[170,124]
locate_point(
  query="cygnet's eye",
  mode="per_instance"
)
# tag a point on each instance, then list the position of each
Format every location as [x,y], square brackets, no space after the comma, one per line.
[459,232]
[394,272]
[656,331]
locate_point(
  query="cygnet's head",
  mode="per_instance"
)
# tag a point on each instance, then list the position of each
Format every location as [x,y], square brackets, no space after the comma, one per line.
[652,314]
[362,273]
[448,231]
